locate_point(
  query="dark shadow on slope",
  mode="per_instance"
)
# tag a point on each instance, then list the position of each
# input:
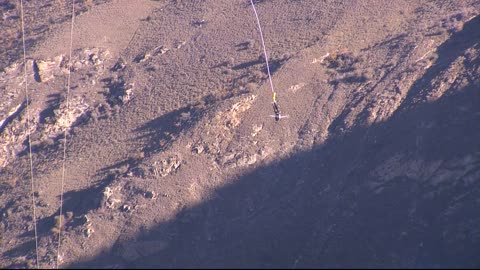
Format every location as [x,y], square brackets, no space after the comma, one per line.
[36,72]
[75,202]
[79,202]
[53,103]
[248,64]
[120,166]
[9,119]
[392,43]
[6,5]
[162,131]
[244,46]
[20,250]
[274,64]
[116,90]
[330,207]
[157,135]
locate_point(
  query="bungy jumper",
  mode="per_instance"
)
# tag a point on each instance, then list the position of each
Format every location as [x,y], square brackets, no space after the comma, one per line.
[276,109]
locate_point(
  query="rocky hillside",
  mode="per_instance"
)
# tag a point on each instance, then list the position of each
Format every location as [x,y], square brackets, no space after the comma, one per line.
[173,160]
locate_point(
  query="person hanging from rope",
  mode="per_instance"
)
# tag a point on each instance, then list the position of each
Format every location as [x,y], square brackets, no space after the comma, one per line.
[276,110]
[278,115]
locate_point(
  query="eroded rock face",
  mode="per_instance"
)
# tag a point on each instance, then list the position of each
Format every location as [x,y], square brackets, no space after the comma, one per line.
[68,114]
[220,131]
[12,89]
[47,69]
[15,131]
[12,138]
[166,166]
[40,77]
[111,197]
[89,57]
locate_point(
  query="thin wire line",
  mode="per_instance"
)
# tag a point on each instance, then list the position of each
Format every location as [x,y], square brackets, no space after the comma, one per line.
[28,134]
[65,136]
[263,43]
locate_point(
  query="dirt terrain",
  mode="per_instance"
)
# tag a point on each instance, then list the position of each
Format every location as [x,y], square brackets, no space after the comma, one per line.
[174,161]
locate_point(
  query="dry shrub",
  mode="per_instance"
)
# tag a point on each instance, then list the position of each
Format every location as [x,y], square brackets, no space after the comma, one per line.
[60,221]
[139,155]
[10,179]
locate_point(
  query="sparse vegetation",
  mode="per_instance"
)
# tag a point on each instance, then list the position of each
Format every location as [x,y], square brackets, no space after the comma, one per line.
[181,163]
[61,221]
[346,67]
[9,179]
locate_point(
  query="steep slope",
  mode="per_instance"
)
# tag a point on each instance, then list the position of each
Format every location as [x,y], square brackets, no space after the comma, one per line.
[173,160]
